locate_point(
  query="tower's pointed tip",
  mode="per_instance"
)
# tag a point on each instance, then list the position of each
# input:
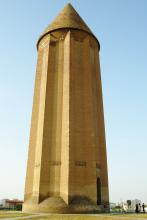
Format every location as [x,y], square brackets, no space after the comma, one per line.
[68,18]
[69,5]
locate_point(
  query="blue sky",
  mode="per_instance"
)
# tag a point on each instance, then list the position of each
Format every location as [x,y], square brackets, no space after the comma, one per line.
[120,26]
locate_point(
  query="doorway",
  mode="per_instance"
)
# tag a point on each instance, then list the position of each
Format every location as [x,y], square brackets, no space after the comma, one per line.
[98,191]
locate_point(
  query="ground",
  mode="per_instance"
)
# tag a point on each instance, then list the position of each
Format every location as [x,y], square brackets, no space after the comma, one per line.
[91,217]
[10,214]
[28,216]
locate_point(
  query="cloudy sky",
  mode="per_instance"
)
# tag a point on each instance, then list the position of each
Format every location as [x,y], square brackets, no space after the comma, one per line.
[120,26]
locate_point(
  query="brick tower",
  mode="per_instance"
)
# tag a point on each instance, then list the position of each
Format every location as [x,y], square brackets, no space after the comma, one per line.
[67,163]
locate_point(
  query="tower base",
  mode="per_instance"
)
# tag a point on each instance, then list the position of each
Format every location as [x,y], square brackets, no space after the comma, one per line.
[57,205]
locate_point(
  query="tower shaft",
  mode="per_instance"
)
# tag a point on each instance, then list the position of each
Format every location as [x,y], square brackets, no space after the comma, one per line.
[67,164]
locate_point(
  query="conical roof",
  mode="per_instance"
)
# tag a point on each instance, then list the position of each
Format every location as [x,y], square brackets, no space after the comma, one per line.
[67,18]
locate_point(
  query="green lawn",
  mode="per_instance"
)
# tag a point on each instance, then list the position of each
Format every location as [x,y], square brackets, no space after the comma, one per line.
[133,216]
[9,214]
[92,217]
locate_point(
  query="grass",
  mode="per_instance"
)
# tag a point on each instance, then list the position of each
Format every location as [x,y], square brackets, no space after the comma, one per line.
[92,217]
[131,216]
[11,214]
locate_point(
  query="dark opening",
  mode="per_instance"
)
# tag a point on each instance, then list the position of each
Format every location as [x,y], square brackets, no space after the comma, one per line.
[98,191]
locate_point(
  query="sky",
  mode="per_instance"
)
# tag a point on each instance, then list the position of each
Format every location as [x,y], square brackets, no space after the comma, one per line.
[120,26]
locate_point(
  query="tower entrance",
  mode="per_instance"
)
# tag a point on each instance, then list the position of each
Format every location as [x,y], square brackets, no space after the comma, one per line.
[98,191]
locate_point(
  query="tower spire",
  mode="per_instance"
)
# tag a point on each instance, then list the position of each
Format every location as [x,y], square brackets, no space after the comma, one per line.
[67,18]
